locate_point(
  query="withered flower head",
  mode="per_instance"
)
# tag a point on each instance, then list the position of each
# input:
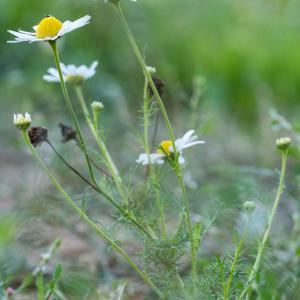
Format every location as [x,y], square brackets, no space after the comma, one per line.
[159,86]
[67,132]
[37,135]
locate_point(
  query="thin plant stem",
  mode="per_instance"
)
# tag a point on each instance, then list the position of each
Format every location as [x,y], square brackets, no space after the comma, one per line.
[100,191]
[146,100]
[70,107]
[188,219]
[149,170]
[108,160]
[94,163]
[168,124]
[153,142]
[98,230]
[263,243]
[146,72]
[234,263]
[160,208]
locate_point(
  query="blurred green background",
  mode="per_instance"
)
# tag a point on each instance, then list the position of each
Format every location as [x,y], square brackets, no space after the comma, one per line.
[247,51]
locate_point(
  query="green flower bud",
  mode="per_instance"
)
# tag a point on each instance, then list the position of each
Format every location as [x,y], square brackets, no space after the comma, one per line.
[22,122]
[249,206]
[97,106]
[283,143]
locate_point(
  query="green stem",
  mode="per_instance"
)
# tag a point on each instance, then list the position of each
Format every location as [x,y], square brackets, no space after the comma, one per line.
[100,191]
[188,220]
[70,107]
[160,208]
[146,125]
[234,263]
[263,243]
[149,170]
[108,160]
[99,231]
[167,121]
[146,72]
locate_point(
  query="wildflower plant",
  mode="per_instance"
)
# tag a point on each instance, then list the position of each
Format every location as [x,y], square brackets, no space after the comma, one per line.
[144,209]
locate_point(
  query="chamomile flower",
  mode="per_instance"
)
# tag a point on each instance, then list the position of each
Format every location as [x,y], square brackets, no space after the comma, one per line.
[71,73]
[165,149]
[49,29]
[21,121]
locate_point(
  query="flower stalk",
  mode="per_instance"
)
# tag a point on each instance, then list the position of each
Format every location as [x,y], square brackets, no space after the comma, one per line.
[100,191]
[108,160]
[98,230]
[70,107]
[234,263]
[159,101]
[262,246]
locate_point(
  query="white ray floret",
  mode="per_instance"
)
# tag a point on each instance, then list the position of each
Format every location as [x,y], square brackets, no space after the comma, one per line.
[166,149]
[71,72]
[54,31]
[152,158]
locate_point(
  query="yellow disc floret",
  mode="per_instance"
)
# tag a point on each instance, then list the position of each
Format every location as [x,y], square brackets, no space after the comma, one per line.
[164,147]
[48,27]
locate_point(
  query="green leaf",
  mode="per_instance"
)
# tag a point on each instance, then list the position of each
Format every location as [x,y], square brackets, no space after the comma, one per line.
[40,286]
[57,272]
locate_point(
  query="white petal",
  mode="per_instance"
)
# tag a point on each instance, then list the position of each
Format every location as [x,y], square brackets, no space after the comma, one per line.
[181,159]
[53,72]
[21,37]
[153,158]
[192,144]
[63,68]
[188,134]
[27,32]
[69,26]
[50,78]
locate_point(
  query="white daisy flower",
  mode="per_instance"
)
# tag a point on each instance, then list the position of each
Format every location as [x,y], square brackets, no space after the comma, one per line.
[71,73]
[21,121]
[49,29]
[166,149]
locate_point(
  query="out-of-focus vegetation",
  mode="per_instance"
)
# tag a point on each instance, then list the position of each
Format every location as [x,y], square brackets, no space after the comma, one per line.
[245,50]
[248,53]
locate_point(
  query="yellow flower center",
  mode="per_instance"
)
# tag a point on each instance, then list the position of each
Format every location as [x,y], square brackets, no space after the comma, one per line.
[164,147]
[48,27]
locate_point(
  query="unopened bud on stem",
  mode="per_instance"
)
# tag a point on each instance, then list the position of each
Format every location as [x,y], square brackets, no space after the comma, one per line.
[22,122]
[283,143]
[248,206]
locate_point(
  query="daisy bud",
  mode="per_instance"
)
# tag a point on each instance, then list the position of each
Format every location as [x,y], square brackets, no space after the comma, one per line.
[37,135]
[151,70]
[159,84]
[67,132]
[97,106]
[283,143]
[22,122]
[248,206]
